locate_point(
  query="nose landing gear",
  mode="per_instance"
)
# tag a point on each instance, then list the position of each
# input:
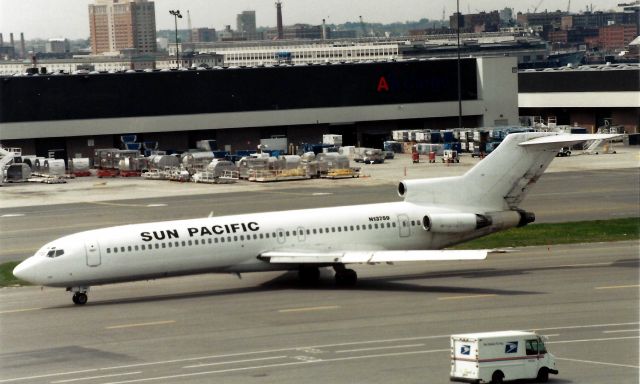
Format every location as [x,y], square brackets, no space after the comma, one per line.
[79,295]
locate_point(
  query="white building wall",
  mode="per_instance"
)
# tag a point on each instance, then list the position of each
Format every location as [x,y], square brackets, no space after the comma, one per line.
[498,90]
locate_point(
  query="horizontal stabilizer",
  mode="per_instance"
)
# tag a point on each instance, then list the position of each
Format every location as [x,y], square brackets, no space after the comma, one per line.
[369,257]
[557,141]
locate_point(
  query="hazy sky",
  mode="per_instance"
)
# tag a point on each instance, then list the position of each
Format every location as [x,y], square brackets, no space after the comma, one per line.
[69,18]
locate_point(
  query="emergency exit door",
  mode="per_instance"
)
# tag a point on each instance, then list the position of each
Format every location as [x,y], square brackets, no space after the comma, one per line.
[403,225]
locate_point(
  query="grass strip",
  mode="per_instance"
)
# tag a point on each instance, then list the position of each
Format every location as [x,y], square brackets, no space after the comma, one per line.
[6,275]
[560,233]
[534,234]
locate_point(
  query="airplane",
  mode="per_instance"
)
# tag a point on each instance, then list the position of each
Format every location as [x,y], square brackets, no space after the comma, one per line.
[436,213]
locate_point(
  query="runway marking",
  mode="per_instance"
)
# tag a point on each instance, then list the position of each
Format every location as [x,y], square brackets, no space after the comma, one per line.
[585,340]
[379,348]
[598,362]
[277,365]
[321,193]
[619,286]
[622,330]
[466,297]
[156,205]
[95,377]
[47,375]
[585,326]
[234,362]
[280,350]
[140,324]
[13,215]
[309,309]
[117,204]
[20,310]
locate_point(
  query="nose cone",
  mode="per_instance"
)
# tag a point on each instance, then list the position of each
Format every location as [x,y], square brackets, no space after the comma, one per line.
[27,271]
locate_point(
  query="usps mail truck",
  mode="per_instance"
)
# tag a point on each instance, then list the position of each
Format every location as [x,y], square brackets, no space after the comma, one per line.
[494,357]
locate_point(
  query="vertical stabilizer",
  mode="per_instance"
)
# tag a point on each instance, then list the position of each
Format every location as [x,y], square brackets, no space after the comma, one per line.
[500,181]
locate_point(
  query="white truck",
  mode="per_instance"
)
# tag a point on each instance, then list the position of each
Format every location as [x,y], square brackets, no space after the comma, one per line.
[493,357]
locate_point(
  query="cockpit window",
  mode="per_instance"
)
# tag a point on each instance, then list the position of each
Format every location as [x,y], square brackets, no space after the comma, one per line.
[53,252]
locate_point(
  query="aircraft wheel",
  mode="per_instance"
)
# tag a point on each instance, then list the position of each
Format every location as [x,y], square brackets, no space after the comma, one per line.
[80,298]
[346,278]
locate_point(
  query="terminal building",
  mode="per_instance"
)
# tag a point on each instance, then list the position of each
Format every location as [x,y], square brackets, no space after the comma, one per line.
[237,107]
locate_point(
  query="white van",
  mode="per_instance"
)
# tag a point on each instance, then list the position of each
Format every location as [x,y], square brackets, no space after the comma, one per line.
[498,356]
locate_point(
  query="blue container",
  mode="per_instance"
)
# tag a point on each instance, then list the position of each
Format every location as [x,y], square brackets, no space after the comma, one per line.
[435,137]
[220,154]
[448,136]
[456,146]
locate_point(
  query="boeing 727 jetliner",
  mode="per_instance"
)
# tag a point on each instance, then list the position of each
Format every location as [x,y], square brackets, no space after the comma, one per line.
[436,213]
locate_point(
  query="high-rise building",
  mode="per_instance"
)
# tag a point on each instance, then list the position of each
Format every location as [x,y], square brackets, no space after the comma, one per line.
[246,22]
[119,25]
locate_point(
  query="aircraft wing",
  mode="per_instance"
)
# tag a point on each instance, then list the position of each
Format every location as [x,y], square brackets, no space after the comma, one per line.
[369,257]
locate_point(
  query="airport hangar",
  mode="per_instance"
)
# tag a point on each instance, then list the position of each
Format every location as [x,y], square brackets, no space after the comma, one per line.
[363,102]
[238,106]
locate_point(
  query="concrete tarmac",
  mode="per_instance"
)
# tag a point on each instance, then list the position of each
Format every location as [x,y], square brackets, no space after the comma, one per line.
[392,327]
[265,328]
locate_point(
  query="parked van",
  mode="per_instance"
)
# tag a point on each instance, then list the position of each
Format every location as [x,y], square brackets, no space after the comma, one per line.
[493,357]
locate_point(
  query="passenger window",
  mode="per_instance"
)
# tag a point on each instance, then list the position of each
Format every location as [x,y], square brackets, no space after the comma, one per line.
[189,242]
[157,246]
[370,226]
[121,249]
[287,233]
[170,244]
[351,227]
[393,225]
[261,236]
[375,225]
[333,229]
[241,237]
[108,250]
[210,241]
[215,240]
[195,242]
[129,248]
[308,232]
[357,227]
[266,235]
[388,225]
[184,243]
[222,239]
[228,239]
[164,245]
[339,229]
[135,247]
[235,238]
[142,247]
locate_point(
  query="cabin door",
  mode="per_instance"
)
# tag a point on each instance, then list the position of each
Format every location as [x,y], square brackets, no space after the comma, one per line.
[93,253]
[403,224]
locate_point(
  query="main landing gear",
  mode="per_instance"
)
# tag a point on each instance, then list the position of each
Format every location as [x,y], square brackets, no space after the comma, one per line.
[344,277]
[79,295]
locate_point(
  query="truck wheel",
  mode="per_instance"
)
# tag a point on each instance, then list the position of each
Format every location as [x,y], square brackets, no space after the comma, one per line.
[543,375]
[497,377]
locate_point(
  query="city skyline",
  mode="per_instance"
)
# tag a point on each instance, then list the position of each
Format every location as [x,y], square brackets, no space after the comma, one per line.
[46,19]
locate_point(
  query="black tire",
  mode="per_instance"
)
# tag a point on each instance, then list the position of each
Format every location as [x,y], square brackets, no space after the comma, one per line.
[346,278]
[497,377]
[543,375]
[80,298]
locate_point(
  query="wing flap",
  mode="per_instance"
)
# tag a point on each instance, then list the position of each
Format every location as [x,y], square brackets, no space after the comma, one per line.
[370,257]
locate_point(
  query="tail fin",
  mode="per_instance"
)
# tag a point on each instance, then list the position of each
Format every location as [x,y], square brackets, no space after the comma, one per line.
[500,181]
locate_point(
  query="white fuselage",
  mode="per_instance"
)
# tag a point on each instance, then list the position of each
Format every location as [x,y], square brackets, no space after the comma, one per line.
[231,243]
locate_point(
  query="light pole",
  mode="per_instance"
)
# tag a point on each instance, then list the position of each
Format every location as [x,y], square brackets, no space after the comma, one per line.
[459,75]
[176,14]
